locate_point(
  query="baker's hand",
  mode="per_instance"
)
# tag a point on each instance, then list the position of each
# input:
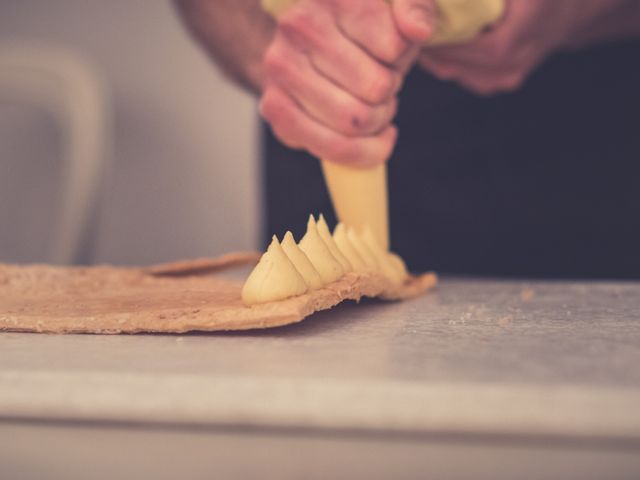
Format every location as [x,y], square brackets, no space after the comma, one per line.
[333,71]
[502,58]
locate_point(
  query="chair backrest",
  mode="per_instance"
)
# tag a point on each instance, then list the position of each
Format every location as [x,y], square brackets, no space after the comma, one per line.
[72,92]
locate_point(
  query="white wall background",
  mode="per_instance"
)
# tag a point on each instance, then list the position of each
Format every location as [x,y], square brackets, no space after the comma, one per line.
[184,180]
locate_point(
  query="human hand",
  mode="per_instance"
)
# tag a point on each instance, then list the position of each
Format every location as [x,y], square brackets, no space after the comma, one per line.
[333,71]
[502,58]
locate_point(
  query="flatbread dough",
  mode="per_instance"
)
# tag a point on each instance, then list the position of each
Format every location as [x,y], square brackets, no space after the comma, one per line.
[204,265]
[169,298]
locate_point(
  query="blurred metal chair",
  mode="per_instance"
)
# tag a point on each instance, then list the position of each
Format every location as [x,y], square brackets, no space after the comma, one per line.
[71,91]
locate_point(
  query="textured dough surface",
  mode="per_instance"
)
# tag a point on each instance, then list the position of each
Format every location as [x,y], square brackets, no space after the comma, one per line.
[172,299]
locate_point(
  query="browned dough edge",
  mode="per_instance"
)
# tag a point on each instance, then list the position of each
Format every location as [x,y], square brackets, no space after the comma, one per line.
[199,266]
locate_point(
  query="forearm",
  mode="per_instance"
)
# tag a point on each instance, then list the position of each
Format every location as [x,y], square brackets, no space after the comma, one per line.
[235,33]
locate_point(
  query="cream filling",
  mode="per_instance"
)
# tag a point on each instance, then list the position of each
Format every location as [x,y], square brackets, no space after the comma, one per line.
[388,267]
[363,250]
[274,278]
[345,245]
[398,264]
[301,262]
[319,254]
[289,270]
[325,235]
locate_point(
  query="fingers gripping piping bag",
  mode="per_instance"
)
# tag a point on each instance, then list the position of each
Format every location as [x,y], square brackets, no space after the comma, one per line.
[359,195]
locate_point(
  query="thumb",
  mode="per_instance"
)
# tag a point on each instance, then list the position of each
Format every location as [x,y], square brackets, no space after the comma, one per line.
[416,19]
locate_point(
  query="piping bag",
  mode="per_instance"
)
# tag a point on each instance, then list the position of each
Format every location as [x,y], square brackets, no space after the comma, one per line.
[360,195]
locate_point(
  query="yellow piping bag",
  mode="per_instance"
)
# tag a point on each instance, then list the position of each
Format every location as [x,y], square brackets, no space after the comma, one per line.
[360,198]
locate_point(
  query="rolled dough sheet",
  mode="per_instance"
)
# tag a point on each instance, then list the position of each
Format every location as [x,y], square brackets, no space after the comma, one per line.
[169,298]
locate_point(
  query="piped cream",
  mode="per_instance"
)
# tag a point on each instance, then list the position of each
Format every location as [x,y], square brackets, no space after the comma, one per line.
[363,250]
[386,266]
[347,248]
[319,254]
[325,235]
[301,262]
[274,278]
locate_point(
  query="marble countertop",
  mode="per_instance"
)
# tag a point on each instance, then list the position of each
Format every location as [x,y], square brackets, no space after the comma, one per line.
[477,357]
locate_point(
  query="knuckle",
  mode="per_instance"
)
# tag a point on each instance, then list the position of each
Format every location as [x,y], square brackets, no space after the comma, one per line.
[359,119]
[284,133]
[380,87]
[396,50]
[300,25]
[271,108]
[343,151]
[275,63]
[392,51]
[278,115]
